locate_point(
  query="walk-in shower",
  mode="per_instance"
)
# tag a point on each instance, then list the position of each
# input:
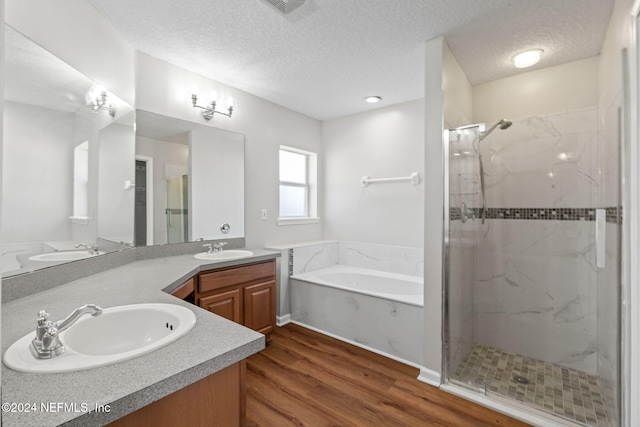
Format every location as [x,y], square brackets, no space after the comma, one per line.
[531,297]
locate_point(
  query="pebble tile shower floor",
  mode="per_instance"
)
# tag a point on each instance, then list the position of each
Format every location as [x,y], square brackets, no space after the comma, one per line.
[565,392]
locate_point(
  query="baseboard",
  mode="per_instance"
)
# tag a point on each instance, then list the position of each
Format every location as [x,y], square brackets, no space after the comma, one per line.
[429,376]
[283,320]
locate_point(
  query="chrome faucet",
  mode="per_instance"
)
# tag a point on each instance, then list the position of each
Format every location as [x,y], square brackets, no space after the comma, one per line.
[46,344]
[214,247]
[92,249]
[217,247]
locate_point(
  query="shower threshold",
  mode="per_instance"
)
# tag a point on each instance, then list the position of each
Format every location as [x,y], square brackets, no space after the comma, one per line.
[567,393]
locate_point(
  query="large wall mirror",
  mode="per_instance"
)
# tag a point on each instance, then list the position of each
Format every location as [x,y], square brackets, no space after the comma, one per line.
[67,165]
[189,181]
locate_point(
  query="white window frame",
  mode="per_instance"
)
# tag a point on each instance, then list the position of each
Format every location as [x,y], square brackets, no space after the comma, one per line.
[311,189]
[81,184]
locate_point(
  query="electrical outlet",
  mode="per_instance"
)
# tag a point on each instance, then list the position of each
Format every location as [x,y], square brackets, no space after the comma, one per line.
[263,215]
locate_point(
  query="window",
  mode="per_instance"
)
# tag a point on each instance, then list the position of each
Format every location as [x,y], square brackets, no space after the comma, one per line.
[298,186]
[81,183]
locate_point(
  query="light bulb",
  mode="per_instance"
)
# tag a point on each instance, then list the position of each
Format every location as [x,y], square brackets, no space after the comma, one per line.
[527,58]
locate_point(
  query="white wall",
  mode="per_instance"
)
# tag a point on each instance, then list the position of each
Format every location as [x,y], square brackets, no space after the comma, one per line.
[433,215]
[2,19]
[564,87]
[216,178]
[115,202]
[383,143]
[458,92]
[37,165]
[265,126]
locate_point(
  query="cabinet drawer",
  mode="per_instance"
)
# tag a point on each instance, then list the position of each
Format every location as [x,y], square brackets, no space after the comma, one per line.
[235,275]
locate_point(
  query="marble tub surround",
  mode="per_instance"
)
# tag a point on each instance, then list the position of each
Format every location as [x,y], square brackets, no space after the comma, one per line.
[213,344]
[393,259]
[385,326]
[35,281]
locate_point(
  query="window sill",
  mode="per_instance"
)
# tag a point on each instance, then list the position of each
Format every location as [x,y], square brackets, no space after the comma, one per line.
[298,221]
[81,220]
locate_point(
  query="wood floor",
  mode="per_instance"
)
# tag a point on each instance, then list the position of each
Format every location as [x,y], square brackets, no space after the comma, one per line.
[304,378]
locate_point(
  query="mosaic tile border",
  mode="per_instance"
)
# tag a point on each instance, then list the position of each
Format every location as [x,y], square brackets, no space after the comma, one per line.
[613,214]
[290,262]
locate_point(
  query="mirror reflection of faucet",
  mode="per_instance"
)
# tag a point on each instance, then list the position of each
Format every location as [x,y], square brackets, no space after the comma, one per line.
[91,249]
[214,247]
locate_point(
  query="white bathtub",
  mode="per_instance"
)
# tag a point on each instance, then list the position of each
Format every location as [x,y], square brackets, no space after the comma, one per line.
[381,284]
[376,310]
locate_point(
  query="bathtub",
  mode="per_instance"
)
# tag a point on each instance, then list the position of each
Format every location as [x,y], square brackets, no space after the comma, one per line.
[377,310]
[381,284]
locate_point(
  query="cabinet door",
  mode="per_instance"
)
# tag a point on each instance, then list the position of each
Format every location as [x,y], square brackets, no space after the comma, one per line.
[225,304]
[260,307]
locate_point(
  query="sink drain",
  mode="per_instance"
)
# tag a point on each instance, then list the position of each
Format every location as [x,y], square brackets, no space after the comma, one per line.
[520,379]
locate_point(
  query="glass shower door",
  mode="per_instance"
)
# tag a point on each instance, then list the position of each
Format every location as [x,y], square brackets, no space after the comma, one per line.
[531,281]
[464,198]
[176,211]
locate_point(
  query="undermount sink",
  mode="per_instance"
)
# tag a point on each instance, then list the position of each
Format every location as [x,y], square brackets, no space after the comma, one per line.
[230,254]
[64,256]
[118,334]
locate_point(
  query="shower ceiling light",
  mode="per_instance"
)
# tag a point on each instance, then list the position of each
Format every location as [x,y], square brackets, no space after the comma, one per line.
[373,99]
[527,58]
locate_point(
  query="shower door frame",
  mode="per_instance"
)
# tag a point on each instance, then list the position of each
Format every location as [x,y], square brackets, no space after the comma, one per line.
[631,225]
[446,245]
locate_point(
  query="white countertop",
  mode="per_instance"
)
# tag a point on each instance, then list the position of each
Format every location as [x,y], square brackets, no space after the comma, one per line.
[213,344]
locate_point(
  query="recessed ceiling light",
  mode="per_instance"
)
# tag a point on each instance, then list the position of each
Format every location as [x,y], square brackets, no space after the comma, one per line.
[373,99]
[527,58]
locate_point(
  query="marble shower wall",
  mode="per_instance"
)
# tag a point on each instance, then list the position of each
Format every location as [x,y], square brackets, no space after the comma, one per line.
[536,291]
[536,288]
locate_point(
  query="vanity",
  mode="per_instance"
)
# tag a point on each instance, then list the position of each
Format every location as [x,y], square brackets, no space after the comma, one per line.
[141,185]
[244,294]
[198,379]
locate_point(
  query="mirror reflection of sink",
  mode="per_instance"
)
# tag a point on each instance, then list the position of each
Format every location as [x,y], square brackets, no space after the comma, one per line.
[229,254]
[118,334]
[64,256]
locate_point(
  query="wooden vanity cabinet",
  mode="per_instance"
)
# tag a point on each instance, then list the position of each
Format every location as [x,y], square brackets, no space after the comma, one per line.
[244,294]
[218,400]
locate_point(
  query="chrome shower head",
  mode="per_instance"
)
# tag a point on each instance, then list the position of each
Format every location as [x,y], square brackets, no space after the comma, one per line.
[503,123]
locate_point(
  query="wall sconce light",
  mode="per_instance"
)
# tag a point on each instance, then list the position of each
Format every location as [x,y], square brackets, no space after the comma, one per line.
[210,109]
[98,99]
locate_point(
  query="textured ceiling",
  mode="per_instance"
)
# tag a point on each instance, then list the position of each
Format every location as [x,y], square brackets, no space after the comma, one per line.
[34,76]
[326,56]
